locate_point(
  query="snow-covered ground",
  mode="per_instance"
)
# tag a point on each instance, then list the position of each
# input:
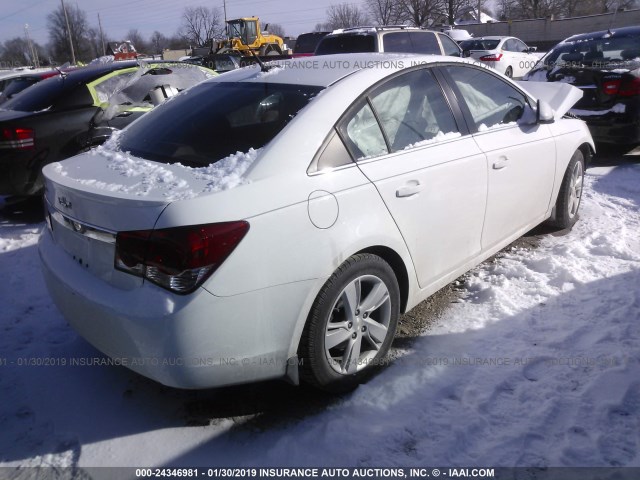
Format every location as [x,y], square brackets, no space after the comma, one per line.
[537,365]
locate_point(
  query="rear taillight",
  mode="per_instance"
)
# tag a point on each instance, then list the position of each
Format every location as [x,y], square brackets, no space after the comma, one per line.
[178,259]
[17,138]
[491,58]
[625,87]
[629,87]
[611,87]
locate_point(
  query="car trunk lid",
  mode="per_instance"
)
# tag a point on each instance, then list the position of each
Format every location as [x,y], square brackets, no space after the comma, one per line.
[92,197]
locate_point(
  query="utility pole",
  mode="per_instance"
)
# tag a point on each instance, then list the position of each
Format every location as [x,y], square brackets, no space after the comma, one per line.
[224,5]
[104,51]
[32,50]
[66,19]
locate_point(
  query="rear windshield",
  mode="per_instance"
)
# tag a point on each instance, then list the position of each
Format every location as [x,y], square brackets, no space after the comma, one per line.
[40,96]
[56,92]
[479,44]
[214,120]
[356,43]
[596,51]
[307,42]
[17,85]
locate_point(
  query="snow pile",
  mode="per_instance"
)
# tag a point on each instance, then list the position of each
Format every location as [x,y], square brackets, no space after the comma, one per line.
[440,137]
[171,181]
[617,108]
[537,365]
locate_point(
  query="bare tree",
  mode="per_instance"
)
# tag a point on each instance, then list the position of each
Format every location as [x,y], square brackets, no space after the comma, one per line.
[138,41]
[275,29]
[385,12]
[58,37]
[200,25]
[158,42]
[15,52]
[344,15]
[422,13]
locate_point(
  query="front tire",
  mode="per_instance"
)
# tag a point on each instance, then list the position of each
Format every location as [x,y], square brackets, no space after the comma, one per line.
[351,324]
[570,194]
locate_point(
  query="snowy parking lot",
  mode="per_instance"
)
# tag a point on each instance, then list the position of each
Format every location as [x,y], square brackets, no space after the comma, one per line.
[534,361]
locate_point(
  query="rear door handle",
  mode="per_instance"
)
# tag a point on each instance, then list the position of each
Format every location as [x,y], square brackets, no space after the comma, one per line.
[412,187]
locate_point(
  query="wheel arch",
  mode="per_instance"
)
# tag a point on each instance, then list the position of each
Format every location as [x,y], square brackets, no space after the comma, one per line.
[399,269]
[588,152]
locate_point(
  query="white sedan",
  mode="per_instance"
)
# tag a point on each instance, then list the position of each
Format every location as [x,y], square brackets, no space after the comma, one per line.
[276,223]
[508,55]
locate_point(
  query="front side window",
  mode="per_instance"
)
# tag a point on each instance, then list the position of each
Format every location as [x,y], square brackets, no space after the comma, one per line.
[491,101]
[449,47]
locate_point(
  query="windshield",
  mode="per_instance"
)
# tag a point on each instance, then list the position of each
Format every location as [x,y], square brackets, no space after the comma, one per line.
[214,120]
[598,52]
[479,44]
[357,43]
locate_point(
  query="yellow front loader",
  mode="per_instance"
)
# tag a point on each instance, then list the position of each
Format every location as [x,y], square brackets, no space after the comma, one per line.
[244,36]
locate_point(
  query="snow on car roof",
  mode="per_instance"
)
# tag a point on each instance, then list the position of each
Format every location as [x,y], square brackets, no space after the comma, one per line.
[328,69]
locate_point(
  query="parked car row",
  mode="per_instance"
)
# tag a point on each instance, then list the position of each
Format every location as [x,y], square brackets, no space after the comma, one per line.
[76,110]
[605,66]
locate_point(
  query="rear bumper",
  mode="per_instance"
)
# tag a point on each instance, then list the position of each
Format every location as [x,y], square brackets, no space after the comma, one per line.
[193,341]
[20,172]
[612,127]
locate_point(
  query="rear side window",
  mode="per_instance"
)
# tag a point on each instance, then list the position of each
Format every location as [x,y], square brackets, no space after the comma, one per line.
[412,110]
[355,43]
[215,120]
[408,111]
[411,42]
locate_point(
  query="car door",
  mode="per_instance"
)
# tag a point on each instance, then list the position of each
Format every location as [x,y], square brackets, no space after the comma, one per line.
[428,170]
[524,59]
[521,156]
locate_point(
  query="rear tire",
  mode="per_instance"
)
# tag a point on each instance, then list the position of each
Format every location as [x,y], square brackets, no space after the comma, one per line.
[570,194]
[509,72]
[351,325]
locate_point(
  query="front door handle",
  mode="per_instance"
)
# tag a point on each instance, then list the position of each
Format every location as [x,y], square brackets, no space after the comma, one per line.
[411,188]
[500,163]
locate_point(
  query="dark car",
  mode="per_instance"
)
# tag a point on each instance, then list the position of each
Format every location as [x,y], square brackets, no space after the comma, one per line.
[395,39]
[64,115]
[606,67]
[306,43]
[17,84]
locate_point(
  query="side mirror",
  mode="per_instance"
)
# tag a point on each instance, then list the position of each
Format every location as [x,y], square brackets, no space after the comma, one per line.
[466,53]
[532,49]
[544,112]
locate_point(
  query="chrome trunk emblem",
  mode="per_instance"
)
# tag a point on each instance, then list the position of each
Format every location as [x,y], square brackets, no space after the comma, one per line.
[63,201]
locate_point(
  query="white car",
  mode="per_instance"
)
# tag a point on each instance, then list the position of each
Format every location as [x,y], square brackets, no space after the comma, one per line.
[271,224]
[508,55]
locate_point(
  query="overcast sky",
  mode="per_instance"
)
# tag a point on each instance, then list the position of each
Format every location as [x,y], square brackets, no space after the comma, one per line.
[119,16]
